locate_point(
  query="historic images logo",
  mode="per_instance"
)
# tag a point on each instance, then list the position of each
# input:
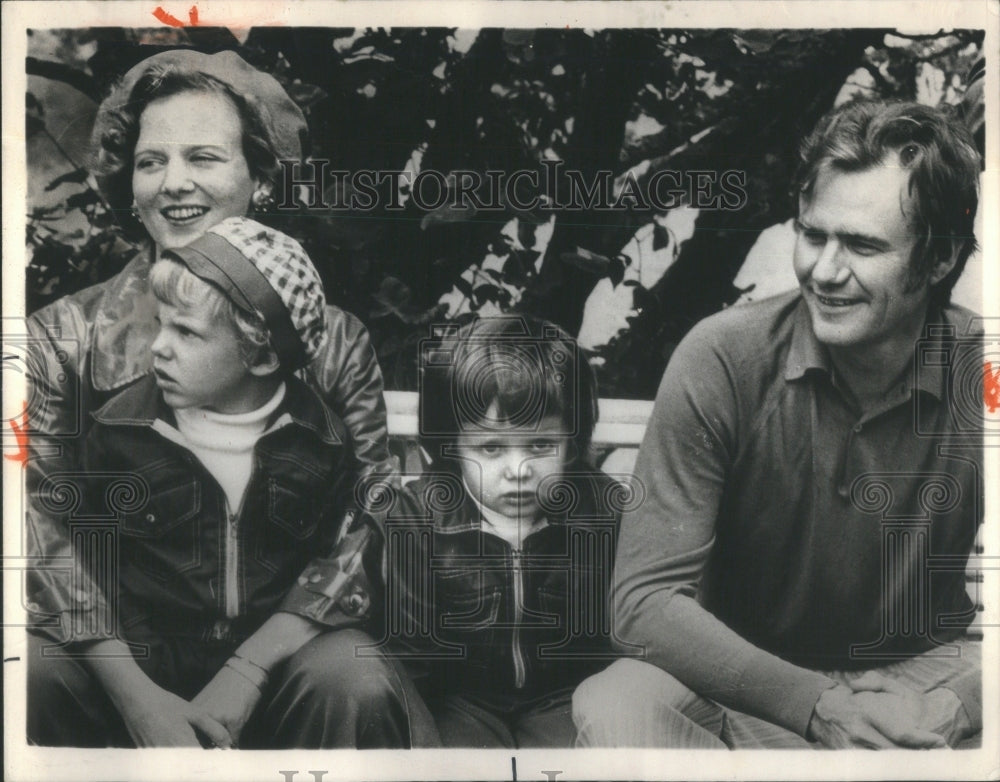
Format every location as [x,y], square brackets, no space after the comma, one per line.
[554,187]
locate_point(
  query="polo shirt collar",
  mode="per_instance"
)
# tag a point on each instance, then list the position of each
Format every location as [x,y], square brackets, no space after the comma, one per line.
[805,352]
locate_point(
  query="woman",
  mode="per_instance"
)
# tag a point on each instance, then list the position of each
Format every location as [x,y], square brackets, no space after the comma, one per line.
[185,141]
[240,122]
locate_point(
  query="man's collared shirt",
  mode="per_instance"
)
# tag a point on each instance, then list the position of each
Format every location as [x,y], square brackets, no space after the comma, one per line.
[820,535]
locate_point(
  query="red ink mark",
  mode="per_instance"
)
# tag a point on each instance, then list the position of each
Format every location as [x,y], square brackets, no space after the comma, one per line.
[991,387]
[172,20]
[20,436]
[166,18]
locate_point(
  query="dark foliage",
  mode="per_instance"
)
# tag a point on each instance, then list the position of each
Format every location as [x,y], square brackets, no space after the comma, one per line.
[612,100]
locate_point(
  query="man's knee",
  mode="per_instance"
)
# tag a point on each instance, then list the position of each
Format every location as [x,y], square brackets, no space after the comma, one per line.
[633,703]
[628,685]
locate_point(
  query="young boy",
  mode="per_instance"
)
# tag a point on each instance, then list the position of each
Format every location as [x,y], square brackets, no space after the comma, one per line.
[237,477]
[499,557]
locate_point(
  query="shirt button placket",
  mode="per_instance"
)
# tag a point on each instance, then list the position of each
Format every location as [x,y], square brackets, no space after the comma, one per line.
[842,488]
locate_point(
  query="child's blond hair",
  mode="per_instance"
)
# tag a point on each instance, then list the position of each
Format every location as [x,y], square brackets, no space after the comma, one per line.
[173,283]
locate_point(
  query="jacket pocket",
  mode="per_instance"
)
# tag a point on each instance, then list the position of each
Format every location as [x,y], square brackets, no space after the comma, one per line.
[287,529]
[469,618]
[163,539]
[580,623]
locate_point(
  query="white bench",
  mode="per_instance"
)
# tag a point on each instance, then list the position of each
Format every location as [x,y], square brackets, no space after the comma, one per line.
[621,422]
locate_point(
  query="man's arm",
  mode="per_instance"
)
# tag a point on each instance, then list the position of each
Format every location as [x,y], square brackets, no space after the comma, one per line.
[685,460]
[683,464]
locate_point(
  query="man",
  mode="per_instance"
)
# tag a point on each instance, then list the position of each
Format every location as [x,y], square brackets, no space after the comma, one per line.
[795,574]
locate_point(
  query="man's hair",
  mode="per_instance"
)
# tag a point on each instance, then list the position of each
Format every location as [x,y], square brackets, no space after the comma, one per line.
[173,283]
[942,161]
[114,159]
[529,368]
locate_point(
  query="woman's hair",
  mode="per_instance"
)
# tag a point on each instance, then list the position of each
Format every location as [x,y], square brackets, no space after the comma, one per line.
[528,368]
[114,157]
[173,283]
[936,150]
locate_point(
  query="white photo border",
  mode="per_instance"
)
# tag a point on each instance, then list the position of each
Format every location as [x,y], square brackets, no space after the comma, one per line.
[22,762]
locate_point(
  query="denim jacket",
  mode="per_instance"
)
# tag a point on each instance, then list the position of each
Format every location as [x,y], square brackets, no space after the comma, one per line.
[185,565]
[485,618]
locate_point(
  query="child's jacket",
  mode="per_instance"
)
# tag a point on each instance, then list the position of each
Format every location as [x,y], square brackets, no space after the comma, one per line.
[184,566]
[509,625]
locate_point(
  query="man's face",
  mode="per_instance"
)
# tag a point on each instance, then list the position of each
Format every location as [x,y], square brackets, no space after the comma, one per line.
[852,257]
[197,360]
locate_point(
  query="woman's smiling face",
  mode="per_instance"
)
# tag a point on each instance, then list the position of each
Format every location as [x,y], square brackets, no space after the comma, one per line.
[189,171]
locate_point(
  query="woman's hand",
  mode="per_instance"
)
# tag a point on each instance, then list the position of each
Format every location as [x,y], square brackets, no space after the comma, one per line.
[158,718]
[229,698]
[154,717]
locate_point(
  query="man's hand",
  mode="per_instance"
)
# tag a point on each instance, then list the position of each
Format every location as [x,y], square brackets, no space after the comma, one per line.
[158,718]
[839,722]
[230,699]
[939,711]
[874,712]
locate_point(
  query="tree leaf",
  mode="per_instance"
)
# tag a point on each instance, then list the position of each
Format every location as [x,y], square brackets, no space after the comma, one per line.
[78,176]
[486,292]
[587,260]
[82,200]
[447,213]
[661,236]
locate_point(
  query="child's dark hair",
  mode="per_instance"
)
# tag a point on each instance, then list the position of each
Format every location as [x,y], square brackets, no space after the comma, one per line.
[527,367]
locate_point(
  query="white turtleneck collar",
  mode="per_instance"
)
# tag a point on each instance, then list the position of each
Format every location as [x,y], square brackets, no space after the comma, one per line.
[224,442]
[227,432]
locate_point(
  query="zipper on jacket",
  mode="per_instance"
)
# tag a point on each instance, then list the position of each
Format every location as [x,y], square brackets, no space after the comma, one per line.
[231,588]
[519,666]
[231,581]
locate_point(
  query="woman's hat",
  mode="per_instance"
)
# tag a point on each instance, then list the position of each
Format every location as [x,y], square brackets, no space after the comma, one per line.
[264,272]
[283,121]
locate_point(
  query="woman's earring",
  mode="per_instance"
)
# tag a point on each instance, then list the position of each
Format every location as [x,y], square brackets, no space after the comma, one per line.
[263,201]
[135,212]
